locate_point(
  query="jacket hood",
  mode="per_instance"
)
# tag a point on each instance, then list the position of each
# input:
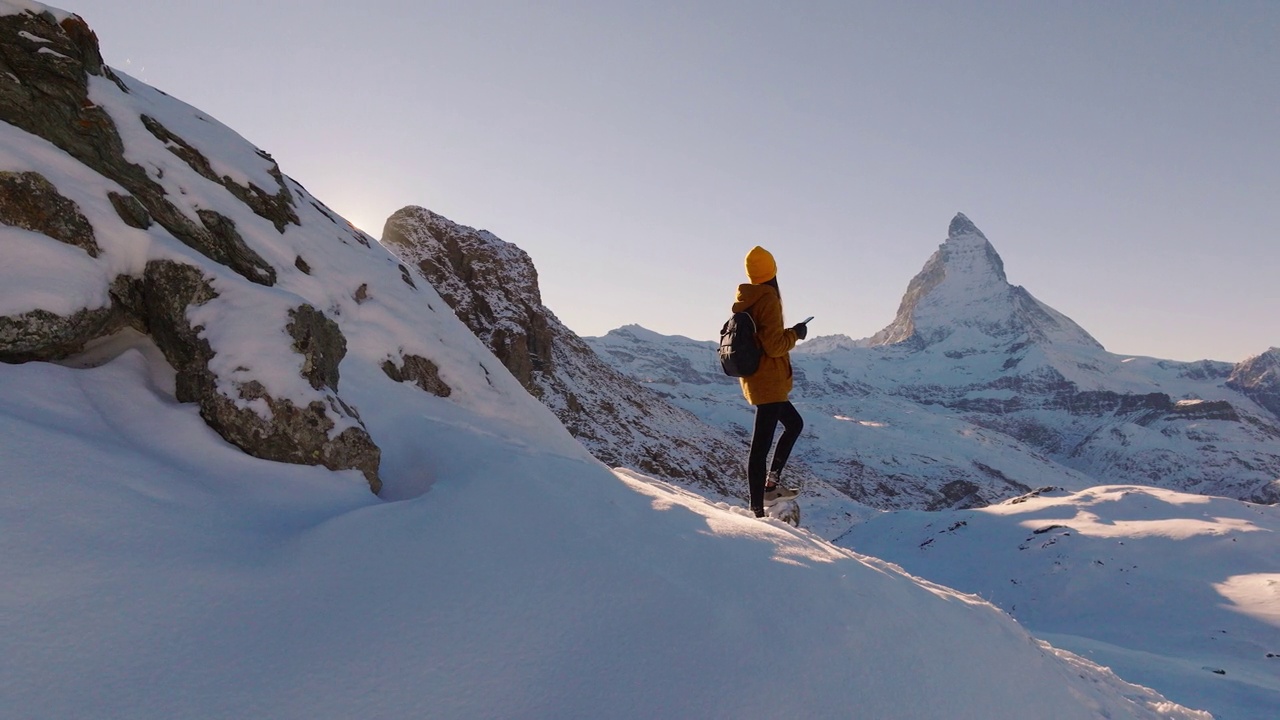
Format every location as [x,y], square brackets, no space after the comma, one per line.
[749,294]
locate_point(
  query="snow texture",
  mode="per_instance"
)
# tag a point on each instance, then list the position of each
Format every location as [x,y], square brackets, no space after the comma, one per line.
[1178,591]
[153,571]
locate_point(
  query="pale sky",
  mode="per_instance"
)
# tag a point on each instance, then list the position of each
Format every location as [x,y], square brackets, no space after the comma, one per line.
[1122,157]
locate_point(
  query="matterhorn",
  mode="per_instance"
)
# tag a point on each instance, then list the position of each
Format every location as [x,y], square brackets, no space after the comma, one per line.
[962,296]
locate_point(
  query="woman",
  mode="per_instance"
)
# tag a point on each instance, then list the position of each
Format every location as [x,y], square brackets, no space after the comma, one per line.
[769,388]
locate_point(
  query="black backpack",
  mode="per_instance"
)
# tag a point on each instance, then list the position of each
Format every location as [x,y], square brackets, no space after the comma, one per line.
[739,351]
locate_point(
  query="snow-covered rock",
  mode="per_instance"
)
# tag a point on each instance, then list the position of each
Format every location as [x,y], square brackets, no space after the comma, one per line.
[127,210]
[493,287]
[1259,378]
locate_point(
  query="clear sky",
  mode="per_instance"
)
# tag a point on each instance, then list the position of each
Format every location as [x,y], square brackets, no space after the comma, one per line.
[1122,157]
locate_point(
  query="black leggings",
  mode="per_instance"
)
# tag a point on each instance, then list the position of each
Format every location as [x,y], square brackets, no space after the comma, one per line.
[767,417]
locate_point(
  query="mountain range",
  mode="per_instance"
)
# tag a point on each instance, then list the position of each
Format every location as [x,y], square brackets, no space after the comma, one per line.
[977,392]
[974,393]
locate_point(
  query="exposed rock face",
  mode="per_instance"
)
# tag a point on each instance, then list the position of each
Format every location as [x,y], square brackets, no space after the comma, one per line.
[493,287]
[130,210]
[50,99]
[29,201]
[421,372]
[49,64]
[157,303]
[277,208]
[1259,378]
[42,335]
[320,342]
[293,434]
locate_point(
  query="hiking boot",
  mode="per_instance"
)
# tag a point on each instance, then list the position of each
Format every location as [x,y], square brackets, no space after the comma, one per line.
[774,490]
[758,512]
[778,492]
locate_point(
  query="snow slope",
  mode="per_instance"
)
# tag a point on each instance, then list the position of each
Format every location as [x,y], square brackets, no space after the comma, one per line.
[154,571]
[1177,591]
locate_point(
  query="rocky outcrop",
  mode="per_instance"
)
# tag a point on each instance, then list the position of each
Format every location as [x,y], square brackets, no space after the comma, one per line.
[1259,379]
[130,210]
[43,335]
[420,371]
[492,285]
[320,342]
[30,202]
[278,207]
[45,66]
[158,303]
[48,61]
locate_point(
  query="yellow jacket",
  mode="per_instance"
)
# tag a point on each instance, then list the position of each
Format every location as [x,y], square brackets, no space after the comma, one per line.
[772,382]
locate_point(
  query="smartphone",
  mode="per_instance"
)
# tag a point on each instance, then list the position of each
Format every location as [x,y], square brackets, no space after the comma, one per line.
[806,320]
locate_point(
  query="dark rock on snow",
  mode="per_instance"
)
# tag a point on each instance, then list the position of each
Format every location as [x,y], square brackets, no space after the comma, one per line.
[29,201]
[45,91]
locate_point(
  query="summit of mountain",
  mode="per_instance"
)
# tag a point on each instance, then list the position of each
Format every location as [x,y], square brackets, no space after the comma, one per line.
[962,300]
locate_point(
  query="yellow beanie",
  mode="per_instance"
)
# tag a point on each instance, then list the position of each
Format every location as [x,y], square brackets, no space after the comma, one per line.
[760,266]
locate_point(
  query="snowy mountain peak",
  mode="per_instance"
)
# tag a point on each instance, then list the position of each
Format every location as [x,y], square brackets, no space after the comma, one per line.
[961,225]
[963,296]
[1259,378]
[636,332]
[967,257]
